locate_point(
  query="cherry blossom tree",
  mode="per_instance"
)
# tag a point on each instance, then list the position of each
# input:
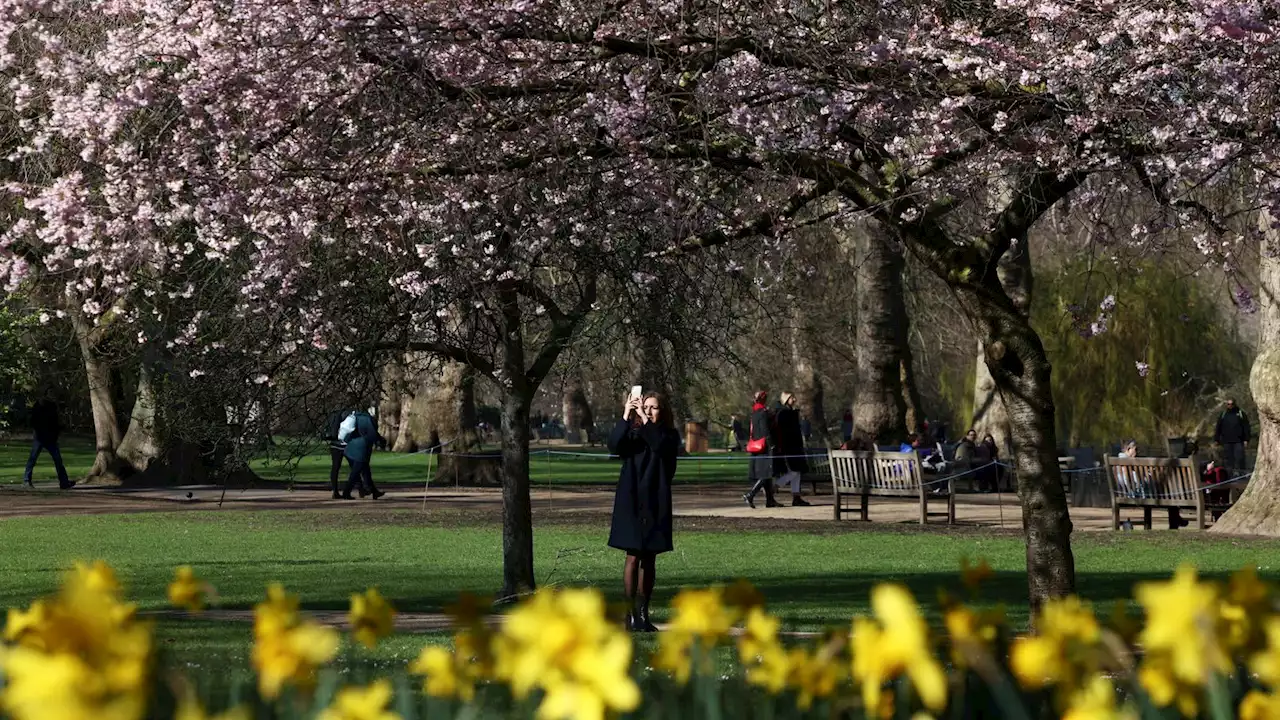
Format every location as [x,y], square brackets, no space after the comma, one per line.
[506,155]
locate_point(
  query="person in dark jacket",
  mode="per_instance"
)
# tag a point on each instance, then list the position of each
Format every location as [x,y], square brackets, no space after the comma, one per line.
[762,468]
[646,440]
[359,453]
[46,426]
[1232,433]
[336,447]
[985,456]
[789,462]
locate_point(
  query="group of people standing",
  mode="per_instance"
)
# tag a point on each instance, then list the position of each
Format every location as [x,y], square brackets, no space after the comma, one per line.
[982,456]
[775,441]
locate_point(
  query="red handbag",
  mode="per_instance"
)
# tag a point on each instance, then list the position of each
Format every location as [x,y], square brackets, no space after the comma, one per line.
[756,446]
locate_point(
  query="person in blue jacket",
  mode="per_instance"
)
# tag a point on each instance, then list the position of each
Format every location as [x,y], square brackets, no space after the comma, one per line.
[359,452]
[646,440]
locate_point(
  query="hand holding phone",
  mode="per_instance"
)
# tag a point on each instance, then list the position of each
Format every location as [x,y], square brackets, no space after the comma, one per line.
[633,402]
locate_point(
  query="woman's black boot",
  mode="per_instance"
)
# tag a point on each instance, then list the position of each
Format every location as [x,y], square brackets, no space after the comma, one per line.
[643,619]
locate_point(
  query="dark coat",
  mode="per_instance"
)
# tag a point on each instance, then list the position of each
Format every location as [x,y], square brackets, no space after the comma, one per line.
[1233,427]
[762,427]
[360,444]
[790,450]
[45,422]
[642,501]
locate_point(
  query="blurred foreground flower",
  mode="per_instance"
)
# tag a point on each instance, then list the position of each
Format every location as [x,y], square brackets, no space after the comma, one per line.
[372,617]
[1180,641]
[80,654]
[286,648]
[895,645]
[560,641]
[186,590]
[366,703]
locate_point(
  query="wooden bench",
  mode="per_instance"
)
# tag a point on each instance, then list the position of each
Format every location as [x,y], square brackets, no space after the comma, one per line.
[1155,482]
[885,474]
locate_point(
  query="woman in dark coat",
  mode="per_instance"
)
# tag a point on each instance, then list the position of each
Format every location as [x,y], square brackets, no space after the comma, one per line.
[646,440]
[762,467]
[789,461]
[985,456]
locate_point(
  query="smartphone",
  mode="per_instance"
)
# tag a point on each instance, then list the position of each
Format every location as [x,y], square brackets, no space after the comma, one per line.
[636,391]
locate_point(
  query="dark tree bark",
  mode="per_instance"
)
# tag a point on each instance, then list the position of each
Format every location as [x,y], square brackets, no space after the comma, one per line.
[390,404]
[517,506]
[577,412]
[808,383]
[989,413]
[1020,372]
[880,404]
[1257,512]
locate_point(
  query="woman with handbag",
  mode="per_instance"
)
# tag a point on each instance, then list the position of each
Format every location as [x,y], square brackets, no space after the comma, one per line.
[646,440]
[760,445]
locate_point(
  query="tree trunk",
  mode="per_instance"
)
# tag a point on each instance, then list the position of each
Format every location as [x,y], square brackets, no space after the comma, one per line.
[914,414]
[141,444]
[880,407]
[390,405]
[1020,372]
[989,413]
[438,405]
[1257,512]
[106,428]
[808,384]
[517,507]
[577,412]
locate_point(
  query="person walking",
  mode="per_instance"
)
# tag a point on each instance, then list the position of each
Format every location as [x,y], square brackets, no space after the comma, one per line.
[738,433]
[46,426]
[337,449]
[761,440]
[789,462]
[1232,433]
[648,444]
[359,453]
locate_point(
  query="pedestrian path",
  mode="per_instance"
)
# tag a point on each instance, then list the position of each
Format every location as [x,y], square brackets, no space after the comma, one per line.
[972,510]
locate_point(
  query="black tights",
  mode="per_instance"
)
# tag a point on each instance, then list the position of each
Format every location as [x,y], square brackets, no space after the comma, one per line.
[638,576]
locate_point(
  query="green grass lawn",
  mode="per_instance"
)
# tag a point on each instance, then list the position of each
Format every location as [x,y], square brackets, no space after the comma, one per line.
[812,579]
[588,467]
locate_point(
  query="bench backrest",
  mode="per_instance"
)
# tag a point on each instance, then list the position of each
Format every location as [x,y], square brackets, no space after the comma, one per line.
[856,471]
[1161,479]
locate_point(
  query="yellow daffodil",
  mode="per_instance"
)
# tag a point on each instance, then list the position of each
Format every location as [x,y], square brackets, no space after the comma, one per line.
[1065,650]
[442,674]
[813,674]
[765,660]
[1267,663]
[96,576]
[674,655]
[971,632]
[563,642]
[1096,700]
[189,708]
[366,703]
[186,590]
[972,576]
[372,617]
[1241,611]
[1259,706]
[1180,639]
[80,653]
[897,644]
[701,613]
[286,648]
